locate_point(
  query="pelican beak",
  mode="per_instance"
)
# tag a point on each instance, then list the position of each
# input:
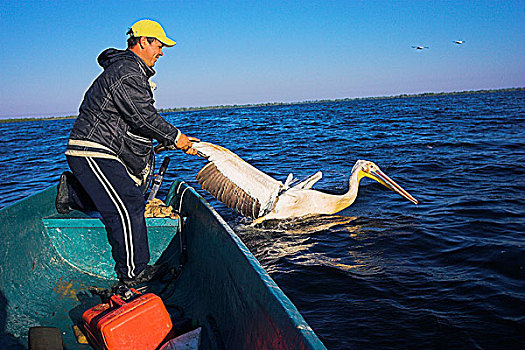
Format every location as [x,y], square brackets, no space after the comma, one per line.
[384,180]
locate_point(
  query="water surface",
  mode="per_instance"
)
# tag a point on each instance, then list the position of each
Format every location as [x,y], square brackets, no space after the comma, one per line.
[383,273]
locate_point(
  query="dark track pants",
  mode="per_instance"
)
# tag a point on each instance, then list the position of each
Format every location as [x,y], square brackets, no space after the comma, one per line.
[121,203]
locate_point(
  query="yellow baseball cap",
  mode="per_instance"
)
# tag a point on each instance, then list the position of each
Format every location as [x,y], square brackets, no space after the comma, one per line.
[150,29]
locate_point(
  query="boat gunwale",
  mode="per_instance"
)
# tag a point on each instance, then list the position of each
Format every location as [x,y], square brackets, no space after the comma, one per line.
[310,337]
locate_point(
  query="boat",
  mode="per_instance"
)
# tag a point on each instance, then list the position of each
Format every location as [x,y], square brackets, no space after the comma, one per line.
[50,264]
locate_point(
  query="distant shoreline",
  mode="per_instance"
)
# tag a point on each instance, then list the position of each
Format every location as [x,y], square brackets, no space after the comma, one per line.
[187,109]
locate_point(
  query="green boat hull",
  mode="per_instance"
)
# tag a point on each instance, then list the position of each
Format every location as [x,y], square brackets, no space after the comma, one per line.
[48,261]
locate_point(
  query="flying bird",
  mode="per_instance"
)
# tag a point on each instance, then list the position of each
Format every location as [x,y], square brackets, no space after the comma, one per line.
[257,195]
[420,47]
[459,42]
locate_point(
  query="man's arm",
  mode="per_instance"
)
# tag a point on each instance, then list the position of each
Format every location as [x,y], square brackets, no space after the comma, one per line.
[135,104]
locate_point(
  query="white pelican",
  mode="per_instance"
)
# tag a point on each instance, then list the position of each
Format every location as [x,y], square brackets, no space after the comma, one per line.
[420,47]
[255,194]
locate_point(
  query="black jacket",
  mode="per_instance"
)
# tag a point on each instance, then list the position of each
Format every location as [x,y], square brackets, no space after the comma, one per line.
[117,118]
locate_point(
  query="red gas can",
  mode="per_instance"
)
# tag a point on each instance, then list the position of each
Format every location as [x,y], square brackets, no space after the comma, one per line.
[141,322]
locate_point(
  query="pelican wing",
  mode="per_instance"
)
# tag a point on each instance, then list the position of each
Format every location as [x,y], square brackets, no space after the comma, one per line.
[236,183]
[309,181]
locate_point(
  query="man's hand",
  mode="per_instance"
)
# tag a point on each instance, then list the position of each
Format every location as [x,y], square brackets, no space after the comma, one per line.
[184,143]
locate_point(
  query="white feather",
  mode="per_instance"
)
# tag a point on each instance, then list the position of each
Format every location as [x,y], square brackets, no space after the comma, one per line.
[252,181]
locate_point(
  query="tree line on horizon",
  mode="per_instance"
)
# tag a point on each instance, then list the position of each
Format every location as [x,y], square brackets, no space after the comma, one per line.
[268,104]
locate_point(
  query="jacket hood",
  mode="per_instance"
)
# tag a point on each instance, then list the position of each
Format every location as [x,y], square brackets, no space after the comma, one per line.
[110,56]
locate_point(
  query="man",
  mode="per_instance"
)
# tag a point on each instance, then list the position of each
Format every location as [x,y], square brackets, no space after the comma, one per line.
[111,144]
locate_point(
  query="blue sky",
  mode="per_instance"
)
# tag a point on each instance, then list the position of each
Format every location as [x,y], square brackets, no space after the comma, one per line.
[238,52]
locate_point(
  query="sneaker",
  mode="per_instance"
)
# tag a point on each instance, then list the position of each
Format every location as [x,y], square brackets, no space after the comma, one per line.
[62,200]
[150,273]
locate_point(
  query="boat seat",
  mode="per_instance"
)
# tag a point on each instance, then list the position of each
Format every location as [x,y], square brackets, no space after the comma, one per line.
[80,238]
